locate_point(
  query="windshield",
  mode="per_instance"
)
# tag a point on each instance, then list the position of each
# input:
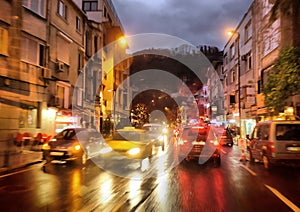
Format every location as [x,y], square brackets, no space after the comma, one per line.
[66,134]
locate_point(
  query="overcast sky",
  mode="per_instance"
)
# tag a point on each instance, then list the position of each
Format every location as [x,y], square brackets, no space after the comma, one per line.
[200,22]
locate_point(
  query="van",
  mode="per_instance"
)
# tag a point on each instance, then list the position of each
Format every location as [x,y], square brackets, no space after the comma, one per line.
[274,142]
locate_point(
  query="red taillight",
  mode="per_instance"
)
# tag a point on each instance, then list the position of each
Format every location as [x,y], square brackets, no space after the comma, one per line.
[272,146]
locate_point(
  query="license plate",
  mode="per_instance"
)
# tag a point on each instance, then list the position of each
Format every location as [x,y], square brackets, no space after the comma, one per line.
[56,153]
[292,148]
[198,143]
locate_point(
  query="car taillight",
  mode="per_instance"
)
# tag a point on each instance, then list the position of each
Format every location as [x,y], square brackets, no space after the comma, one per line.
[272,146]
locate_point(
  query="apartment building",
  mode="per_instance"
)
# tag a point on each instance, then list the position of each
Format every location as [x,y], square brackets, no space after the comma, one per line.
[50,75]
[239,75]
[24,75]
[249,57]
[112,99]
[271,37]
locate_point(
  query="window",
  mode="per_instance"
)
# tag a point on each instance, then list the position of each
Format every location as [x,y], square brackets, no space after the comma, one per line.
[62,9]
[225,80]
[37,6]
[233,75]
[80,60]
[249,61]
[232,51]
[226,60]
[263,132]
[248,31]
[88,44]
[259,90]
[28,118]
[78,24]
[232,99]
[79,96]
[33,52]
[90,5]
[95,44]
[3,41]
[63,54]
[41,55]
[62,93]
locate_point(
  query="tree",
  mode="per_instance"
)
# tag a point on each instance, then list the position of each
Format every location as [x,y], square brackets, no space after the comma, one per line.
[141,114]
[284,80]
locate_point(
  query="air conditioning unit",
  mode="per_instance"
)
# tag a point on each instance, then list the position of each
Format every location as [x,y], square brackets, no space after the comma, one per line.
[60,66]
[46,73]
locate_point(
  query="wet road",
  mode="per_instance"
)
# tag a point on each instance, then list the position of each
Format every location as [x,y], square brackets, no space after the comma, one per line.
[235,186]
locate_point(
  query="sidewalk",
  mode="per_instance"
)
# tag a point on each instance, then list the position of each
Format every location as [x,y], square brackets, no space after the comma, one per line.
[10,160]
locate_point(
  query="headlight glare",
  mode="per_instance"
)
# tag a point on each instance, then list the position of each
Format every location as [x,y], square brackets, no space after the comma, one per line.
[134,151]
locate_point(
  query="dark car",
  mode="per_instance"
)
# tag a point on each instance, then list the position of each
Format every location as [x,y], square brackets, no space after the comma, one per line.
[199,142]
[73,144]
[226,138]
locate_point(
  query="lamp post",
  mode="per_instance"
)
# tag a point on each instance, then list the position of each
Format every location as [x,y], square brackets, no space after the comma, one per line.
[233,32]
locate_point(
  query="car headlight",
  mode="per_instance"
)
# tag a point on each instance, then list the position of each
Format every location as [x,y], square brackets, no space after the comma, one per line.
[134,151]
[77,147]
[45,147]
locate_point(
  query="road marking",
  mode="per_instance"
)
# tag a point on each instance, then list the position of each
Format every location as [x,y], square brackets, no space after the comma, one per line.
[223,151]
[249,170]
[6,175]
[283,198]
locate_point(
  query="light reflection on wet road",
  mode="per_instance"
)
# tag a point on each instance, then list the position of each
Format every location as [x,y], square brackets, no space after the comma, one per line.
[187,187]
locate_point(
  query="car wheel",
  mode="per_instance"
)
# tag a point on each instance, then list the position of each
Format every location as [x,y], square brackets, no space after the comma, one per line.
[217,161]
[266,162]
[250,157]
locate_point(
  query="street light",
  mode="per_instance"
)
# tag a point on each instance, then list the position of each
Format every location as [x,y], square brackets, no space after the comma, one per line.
[232,33]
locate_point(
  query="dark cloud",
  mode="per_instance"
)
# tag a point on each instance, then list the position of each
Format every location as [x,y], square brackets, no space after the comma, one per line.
[196,21]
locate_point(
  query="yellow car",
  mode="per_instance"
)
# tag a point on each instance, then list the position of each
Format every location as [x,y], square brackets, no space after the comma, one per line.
[132,143]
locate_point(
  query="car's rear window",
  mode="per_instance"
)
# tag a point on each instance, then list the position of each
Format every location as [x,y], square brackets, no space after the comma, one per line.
[288,132]
[129,136]
[194,132]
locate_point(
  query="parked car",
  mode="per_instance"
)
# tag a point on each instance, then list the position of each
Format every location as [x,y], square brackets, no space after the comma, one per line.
[226,138]
[73,144]
[275,142]
[158,133]
[199,142]
[131,143]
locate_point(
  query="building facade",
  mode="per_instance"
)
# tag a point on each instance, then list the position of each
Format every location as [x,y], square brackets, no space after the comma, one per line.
[249,57]
[51,68]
